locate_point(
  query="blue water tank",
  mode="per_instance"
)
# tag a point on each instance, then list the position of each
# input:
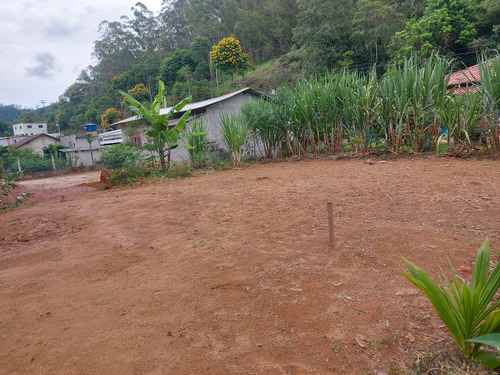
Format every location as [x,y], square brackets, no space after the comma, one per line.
[90,128]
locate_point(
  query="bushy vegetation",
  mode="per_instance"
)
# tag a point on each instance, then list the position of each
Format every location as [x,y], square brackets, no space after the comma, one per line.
[31,161]
[126,163]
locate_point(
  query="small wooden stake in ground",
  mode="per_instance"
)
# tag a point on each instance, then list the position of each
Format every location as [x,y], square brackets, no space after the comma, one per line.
[330,222]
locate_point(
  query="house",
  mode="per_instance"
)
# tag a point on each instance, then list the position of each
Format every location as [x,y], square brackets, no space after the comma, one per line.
[132,127]
[82,156]
[464,81]
[78,149]
[37,142]
[10,141]
[30,128]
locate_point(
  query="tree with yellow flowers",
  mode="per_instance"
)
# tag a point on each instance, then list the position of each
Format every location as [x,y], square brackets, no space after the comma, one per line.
[228,56]
[109,117]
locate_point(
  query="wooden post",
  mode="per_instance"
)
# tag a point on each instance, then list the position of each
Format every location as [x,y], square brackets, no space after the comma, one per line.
[19,165]
[330,222]
[53,162]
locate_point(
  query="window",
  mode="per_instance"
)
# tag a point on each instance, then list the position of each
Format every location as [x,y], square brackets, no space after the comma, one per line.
[29,126]
[40,126]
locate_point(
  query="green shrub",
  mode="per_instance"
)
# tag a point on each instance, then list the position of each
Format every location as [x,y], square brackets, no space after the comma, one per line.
[120,156]
[467,311]
[125,162]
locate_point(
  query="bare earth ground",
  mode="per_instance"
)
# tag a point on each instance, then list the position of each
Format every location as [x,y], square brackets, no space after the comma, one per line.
[232,273]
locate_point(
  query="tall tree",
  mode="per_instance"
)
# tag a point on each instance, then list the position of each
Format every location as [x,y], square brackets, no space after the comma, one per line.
[376,21]
[324,31]
[447,26]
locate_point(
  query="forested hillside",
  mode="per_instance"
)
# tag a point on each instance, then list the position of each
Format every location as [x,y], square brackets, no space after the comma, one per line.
[313,36]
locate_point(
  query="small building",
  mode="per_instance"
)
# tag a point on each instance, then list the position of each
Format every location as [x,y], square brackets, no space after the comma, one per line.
[11,141]
[82,156]
[37,142]
[31,128]
[78,150]
[209,110]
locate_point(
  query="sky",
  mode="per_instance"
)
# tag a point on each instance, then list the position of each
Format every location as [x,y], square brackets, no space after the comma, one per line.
[45,44]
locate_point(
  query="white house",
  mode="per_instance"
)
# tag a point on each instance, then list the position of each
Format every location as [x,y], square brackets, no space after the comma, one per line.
[210,109]
[31,128]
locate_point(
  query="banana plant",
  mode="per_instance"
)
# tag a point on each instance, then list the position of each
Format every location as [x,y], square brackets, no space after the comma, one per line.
[163,137]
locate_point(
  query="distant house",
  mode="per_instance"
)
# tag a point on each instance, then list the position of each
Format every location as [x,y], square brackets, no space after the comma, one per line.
[464,81]
[11,141]
[37,142]
[209,110]
[78,149]
[30,128]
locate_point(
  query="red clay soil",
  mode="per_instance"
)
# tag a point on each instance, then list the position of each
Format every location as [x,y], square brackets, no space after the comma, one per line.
[232,272]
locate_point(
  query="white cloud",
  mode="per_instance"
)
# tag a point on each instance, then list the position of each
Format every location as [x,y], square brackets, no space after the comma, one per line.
[46,43]
[45,66]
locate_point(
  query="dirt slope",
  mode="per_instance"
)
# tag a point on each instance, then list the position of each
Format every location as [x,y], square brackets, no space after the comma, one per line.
[231,273]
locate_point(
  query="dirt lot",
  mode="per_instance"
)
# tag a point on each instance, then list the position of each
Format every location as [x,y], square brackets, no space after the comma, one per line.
[232,272]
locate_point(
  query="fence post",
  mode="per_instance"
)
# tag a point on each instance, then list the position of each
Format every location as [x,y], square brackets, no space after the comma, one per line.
[53,161]
[19,165]
[330,222]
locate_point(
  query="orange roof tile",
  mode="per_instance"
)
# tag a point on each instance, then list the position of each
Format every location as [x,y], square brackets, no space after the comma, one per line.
[465,76]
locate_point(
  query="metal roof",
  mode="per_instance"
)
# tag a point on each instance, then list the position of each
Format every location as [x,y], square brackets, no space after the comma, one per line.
[197,105]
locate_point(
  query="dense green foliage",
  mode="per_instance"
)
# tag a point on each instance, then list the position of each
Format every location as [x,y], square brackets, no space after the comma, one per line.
[31,161]
[468,311]
[406,109]
[315,36]
[125,162]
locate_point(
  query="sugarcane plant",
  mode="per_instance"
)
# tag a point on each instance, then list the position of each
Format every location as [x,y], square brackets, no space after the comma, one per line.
[468,311]
[235,135]
[198,150]
[489,71]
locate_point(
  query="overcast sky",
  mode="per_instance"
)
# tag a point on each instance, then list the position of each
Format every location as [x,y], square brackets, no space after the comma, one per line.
[45,44]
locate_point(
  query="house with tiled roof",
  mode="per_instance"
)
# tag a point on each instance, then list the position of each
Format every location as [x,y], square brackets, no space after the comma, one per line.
[464,81]
[37,142]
